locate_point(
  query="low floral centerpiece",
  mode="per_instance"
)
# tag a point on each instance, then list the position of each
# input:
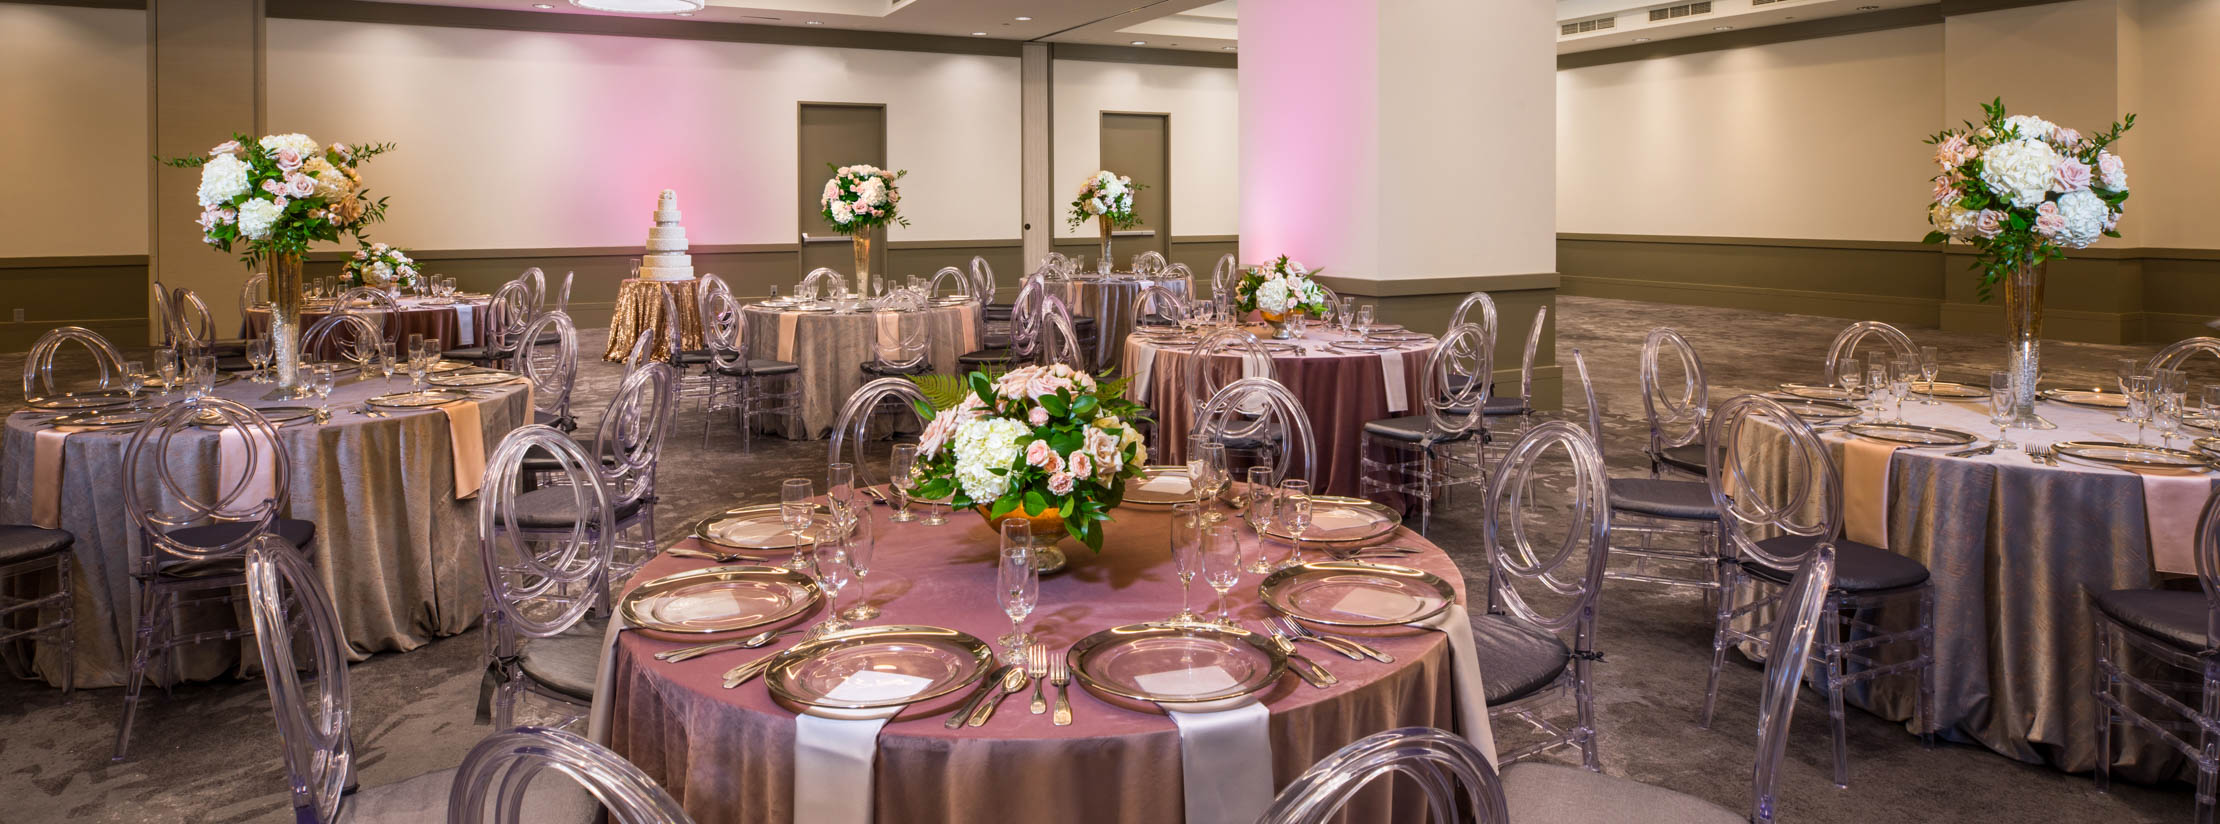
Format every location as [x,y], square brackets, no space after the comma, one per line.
[857,199]
[380,266]
[1280,291]
[2022,190]
[1048,444]
[275,196]
[1107,199]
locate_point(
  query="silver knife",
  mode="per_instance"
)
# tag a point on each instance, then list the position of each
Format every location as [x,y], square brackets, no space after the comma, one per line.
[991,682]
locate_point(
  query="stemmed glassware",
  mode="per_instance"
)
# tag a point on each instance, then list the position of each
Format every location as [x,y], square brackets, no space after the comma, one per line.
[1187,538]
[419,366]
[1346,313]
[2001,411]
[828,563]
[1929,365]
[1365,315]
[1901,371]
[2169,387]
[165,367]
[1294,514]
[1877,388]
[1851,376]
[2212,404]
[901,477]
[2139,403]
[204,375]
[840,491]
[862,542]
[798,512]
[386,364]
[258,356]
[1206,472]
[1221,564]
[134,381]
[326,376]
[2124,370]
[1261,507]
[1018,585]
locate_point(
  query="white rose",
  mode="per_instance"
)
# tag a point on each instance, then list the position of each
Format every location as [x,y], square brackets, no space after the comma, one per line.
[222,178]
[2020,171]
[257,216]
[2112,171]
[2085,215]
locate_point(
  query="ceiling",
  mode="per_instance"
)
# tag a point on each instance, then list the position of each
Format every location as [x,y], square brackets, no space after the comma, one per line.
[1631,23]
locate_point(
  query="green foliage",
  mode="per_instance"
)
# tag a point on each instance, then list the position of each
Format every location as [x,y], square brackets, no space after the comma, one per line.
[2017,243]
[859,222]
[303,220]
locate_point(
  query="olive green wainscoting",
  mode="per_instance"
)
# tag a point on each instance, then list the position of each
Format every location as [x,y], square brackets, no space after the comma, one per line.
[1424,304]
[104,293]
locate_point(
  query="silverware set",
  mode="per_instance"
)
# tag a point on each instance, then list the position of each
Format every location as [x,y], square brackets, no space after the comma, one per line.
[1014,679]
[1306,669]
[751,642]
[1346,646]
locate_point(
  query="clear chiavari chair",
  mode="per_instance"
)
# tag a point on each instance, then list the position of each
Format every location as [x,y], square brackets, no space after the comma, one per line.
[1455,779]
[165,316]
[368,301]
[1867,578]
[1549,792]
[642,344]
[38,367]
[1540,591]
[253,294]
[496,781]
[194,525]
[852,428]
[982,280]
[1672,520]
[950,282]
[2181,630]
[1148,263]
[1056,265]
[2178,353]
[1676,411]
[1518,409]
[553,370]
[908,351]
[1846,344]
[1158,306]
[549,557]
[740,382]
[1422,449]
[344,335]
[1588,392]
[1262,411]
[196,330]
[1218,359]
[1019,342]
[562,304]
[1056,340]
[31,555]
[826,281]
[507,314]
[1223,276]
[535,287]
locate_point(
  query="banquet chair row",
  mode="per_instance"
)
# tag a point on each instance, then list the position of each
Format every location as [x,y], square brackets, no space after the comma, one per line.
[738,379]
[31,555]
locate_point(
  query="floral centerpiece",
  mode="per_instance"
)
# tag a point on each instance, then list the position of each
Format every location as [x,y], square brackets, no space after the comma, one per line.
[380,265]
[1279,291]
[2022,190]
[275,196]
[856,199]
[1048,444]
[1107,199]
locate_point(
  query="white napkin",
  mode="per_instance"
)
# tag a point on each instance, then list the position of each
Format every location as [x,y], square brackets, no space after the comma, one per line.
[1168,483]
[466,316]
[1391,374]
[1144,363]
[231,456]
[833,757]
[1464,664]
[1225,763]
[597,718]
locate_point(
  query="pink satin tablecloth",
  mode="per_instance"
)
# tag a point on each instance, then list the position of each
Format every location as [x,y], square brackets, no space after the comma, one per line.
[441,323]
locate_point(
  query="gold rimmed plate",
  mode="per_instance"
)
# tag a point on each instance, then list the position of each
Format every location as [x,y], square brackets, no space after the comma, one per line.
[1362,346]
[450,366]
[720,599]
[91,399]
[1949,390]
[103,418]
[488,377]
[1813,409]
[155,383]
[1338,520]
[2092,398]
[276,415]
[1348,594]
[878,667]
[1911,434]
[758,528]
[1160,486]
[1399,337]
[1153,666]
[2133,457]
[418,400]
[2209,446]
[1818,393]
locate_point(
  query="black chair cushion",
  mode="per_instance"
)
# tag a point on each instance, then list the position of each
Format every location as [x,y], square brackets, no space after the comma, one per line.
[569,663]
[467,353]
[2175,617]
[1689,458]
[233,363]
[886,371]
[1519,658]
[554,420]
[1687,500]
[1858,567]
[1000,311]
[759,367]
[1410,429]
[539,461]
[298,534]
[556,507]
[1500,407]
[985,357]
[691,357]
[23,542]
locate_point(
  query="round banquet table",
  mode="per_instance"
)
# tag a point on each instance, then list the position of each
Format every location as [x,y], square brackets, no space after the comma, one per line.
[726,755]
[640,308]
[2013,546]
[394,545]
[1339,390]
[454,325]
[1109,300]
[831,348]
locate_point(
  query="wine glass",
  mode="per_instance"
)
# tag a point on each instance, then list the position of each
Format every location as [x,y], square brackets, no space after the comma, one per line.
[1901,371]
[828,563]
[326,376]
[1346,312]
[386,364]
[840,491]
[418,366]
[2139,403]
[1877,388]
[1187,537]
[2212,403]
[1221,564]
[2002,404]
[798,511]
[258,357]
[165,366]
[901,468]
[1850,376]
[1262,504]
[1294,514]
[1929,364]
[416,344]
[1206,472]
[1018,584]
[204,375]
[1365,315]
[862,542]
[134,381]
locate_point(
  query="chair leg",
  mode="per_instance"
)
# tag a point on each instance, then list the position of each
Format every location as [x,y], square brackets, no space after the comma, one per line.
[1929,723]
[2101,686]
[1730,581]
[1831,663]
[144,640]
[68,628]
[2208,746]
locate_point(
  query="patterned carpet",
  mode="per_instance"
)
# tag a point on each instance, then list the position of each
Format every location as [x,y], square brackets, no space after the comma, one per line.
[210,753]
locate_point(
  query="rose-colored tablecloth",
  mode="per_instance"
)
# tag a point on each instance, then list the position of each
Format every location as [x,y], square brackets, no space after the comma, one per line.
[832,348]
[442,323]
[726,755]
[1340,391]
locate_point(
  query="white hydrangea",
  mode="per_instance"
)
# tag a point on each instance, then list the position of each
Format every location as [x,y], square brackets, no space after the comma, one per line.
[305,145]
[2085,215]
[2031,127]
[1271,296]
[871,191]
[984,445]
[841,213]
[222,178]
[257,216]
[2020,171]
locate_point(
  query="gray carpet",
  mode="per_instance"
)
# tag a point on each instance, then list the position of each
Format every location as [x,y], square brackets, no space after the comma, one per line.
[210,753]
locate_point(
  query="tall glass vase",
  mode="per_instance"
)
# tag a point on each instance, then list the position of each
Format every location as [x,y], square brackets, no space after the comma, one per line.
[285,323]
[862,242]
[2023,315]
[1107,262]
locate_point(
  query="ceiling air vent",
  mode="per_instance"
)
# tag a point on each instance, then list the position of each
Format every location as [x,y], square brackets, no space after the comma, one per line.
[1682,10]
[1586,26]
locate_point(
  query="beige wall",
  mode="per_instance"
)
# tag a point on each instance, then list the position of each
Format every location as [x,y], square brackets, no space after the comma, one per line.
[2174,74]
[525,139]
[1202,103]
[73,141]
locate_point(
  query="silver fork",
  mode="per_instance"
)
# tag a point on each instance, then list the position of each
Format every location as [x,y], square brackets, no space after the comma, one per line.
[1296,632]
[1036,667]
[1059,673]
[1368,650]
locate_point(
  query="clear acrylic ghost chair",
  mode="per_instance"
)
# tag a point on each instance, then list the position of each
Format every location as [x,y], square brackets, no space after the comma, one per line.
[853,427]
[638,354]
[751,387]
[2181,630]
[982,279]
[195,515]
[2178,353]
[1418,455]
[254,294]
[1868,578]
[548,558]
[826,281]
[712,284]
[1846,345]
[1017,342]
[553,370]
[1218,359]
[376,303]
[1541,792]
[343,335]
[165,316]
[196,329]
[1538,594]
[1518,410]
[562,304]
[1056,264]
[1262,410]
[535,287]
[507,314]
[1588,392]
[1665,526]
[1157,306]
[1223,276]
[1057,340]
[1148,264]
[1452,776]
[950,282]
[30,556]
[38,367]
[909,351]
[692,382]
[494,783]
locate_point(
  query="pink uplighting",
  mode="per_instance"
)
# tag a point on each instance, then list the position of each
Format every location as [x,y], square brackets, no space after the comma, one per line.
[1309,96]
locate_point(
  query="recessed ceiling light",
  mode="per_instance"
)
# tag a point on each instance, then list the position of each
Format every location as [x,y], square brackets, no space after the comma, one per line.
[978,34]
[1140,42]
[1024,19]
[1641,40]
[1722,28]
[541,6]
[817,22]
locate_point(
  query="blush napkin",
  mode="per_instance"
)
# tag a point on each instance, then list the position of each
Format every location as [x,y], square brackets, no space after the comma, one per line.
[1865,490]
[2172,504]
[1464,665]
[467,439]
[466,324]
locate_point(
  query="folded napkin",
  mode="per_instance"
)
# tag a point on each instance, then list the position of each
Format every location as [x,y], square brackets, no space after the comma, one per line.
[468,438]
[46,475]
[1391,374]
[466,324]
[970,319]
[787,322]
[1144,363]
[1865,490]
[889,330]
[833,756]
[597,717]
[1168,483]
[1464,665]
[2172,504]
[1225,763]
[231,468]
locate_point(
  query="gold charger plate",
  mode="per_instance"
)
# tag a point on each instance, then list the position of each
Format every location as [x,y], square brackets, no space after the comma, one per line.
[276,415]
[450,366]
[720,599]
[877,667]
[1160,486]
[415,400]
[1950,390]
[755,528]
[1911,434]
[92,399]
[1819,393]
[487,377]
[2133,457]
[1148,666]
[1349,594]
[1814,409]
[103,418]
[2209,446]
[1338,520]
[2092,398]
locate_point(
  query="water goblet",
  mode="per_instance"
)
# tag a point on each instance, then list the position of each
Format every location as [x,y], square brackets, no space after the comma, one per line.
[1261,507]
[797,511]
[165,366]
[1294,514]
[1206,472]
[1877,389]
[1018,585]
[1849,376]
[134,381]
[862,542]
[1186,541]
[418,365]
[204,375]
[326,376]
[2002,403]
[386,364]
[1221,564]
[1901,372]
[1346,312]
[901,478]
[828,564]
[1929,364]
[2212,403]
[2139,403]
[1365,316]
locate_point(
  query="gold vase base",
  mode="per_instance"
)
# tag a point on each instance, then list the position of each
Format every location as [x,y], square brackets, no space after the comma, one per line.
[1049,560]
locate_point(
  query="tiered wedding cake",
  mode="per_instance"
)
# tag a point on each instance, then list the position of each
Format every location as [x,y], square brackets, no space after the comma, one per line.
[666,244]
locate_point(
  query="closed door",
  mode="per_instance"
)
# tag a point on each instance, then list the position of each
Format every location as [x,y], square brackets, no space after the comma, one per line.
[1139,146]
[841,135]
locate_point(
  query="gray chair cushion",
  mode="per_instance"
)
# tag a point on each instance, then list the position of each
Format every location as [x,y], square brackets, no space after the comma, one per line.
[691,357]
[551,798]
[556,507]
[1518,658]
[569,663]
[2176,617]
[1689,458]
[1687,500]
[467,353]
[554,420]
[998,356]
[1500,407]
[759,367]
[1558,794]
[1409,429]
[886,371]
[1858,567]
[538,461]
[299,534]
[23,542]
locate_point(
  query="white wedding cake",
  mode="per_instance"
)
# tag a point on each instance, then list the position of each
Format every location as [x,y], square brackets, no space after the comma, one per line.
[666,244]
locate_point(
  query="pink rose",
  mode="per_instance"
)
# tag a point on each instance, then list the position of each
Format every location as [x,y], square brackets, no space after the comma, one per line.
[287,159]
[1060,483]
[1953,152]
[2048,222]
[299,185]
[1080,464]
[342,150]
[273,186]
[2066,136]
[1944,192]
[938,433]
[2112,171]
[282,202]
[228,147]
[1988,223]
[1038,453]
[2070,175]
[1038,417]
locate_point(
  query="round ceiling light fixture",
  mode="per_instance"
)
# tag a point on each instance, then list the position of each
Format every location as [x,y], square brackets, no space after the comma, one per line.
[1024,19]
[1722,28]
[1140,42]
[641,6]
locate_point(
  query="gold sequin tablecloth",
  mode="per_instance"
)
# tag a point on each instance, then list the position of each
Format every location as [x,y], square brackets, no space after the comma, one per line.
[639,307]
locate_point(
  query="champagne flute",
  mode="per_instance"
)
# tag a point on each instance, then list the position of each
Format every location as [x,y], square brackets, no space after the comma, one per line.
[901,468]
[258,356]
[862,542]
[828,563]
[1294,514]
[798,511]
[134,381]
[1263,503]
[165,365]
[1018,583]
[1901,371]
[386,364]
[840,491]
[2139,403]
[1187,537]
[2002,403]
[1206,472]
[1221,564]
[1929,364]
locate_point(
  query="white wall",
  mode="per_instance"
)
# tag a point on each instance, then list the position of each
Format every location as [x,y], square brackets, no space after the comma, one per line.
[1204,108]
[523,139]
[74,162]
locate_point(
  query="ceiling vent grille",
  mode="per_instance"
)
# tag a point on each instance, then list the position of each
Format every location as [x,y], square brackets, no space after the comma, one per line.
[1682,10]
[1586,26]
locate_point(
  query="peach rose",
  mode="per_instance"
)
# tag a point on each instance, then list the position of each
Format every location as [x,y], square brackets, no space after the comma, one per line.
[2070,175]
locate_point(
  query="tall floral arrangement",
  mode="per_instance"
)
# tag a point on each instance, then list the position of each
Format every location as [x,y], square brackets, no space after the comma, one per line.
[1280,288]
[2023,190]
[277,195]
[860,197]
[1038,440]
[1106,196]
[379,265]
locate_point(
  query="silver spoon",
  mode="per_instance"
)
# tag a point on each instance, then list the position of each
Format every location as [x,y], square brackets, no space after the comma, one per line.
[751,642]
